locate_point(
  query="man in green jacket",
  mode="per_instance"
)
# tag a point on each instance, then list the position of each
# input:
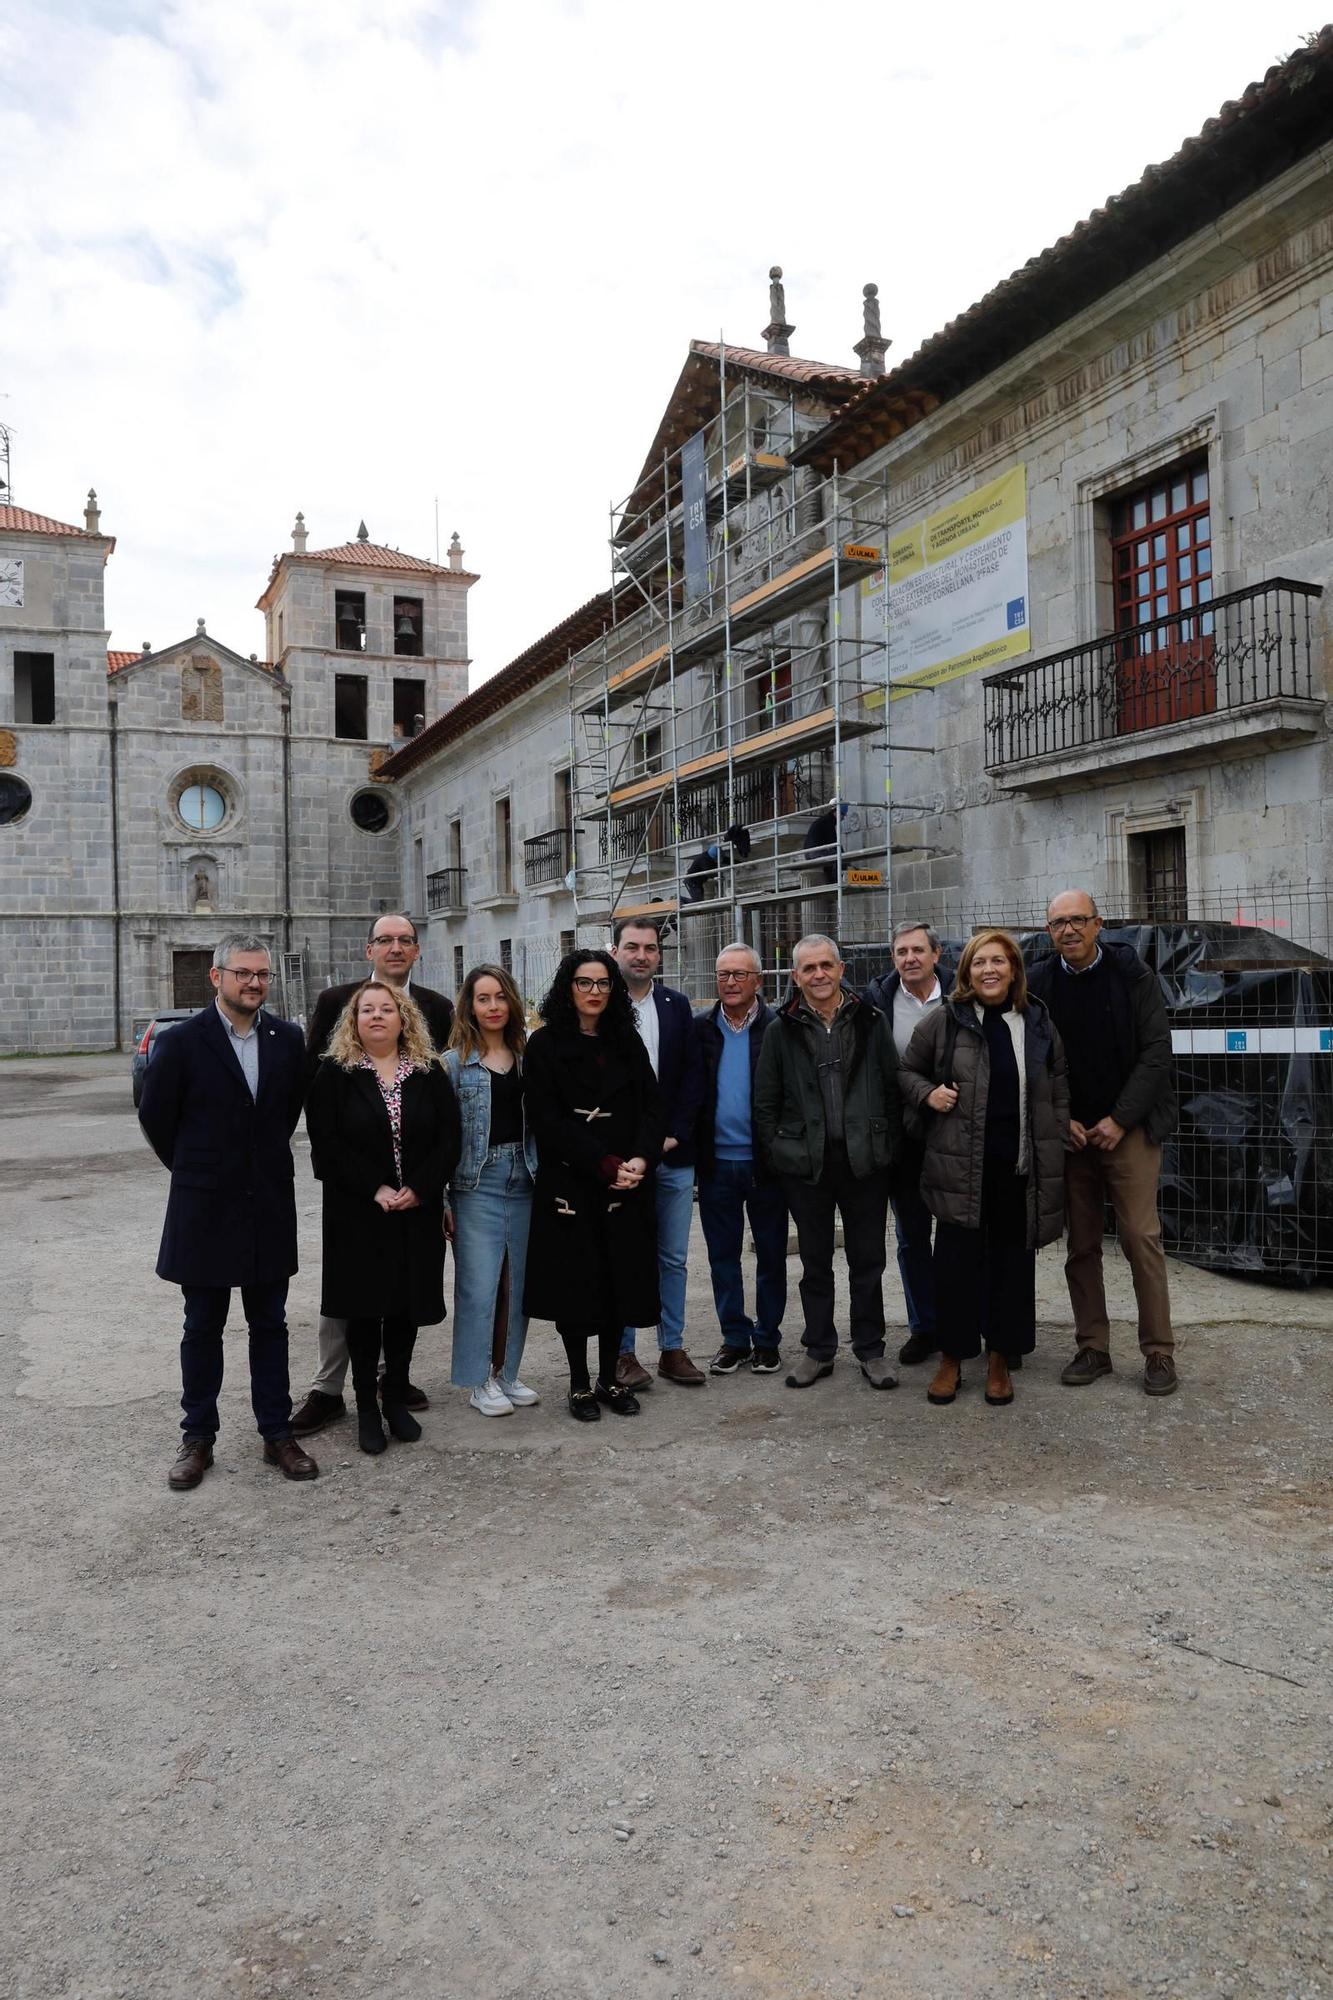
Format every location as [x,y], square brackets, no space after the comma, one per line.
[828,1123]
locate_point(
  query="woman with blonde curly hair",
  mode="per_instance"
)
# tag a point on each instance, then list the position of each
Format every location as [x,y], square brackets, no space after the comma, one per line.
[384,1140]
[984,1083]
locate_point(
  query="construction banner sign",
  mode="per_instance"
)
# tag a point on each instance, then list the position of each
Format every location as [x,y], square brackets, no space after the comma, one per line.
[957,587]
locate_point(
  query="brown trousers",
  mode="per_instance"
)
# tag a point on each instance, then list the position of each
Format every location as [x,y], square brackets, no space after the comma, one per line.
[1129,1176]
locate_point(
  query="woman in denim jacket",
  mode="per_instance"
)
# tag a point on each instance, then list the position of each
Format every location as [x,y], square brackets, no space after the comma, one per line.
[491,1192]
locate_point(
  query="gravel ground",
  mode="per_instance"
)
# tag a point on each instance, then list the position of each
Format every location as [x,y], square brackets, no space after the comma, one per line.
[759,1694]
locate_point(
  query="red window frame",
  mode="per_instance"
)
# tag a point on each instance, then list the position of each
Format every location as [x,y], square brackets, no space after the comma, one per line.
[1162,567]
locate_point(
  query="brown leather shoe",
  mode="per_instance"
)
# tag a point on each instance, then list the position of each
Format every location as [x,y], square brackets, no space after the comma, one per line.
[317,1410]
[675,1366]
[1159,1375]
[191,1463]
[631,1374]
[945,1382]
[291,1461]
[999,1385]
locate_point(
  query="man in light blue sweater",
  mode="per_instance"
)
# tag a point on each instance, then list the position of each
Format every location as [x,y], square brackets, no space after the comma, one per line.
[731,1182]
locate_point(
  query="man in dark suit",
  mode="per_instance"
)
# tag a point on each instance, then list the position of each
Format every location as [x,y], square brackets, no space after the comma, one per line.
[392,949]
[665,1021]
[220,1103]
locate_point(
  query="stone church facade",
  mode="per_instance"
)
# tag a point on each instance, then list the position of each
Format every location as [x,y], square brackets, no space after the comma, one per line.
[151,800]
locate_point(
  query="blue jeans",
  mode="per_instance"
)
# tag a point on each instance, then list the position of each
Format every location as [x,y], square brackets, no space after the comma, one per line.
[725,1197]
[490,1225]
[673,1188]
[916,1267]
[201,1357]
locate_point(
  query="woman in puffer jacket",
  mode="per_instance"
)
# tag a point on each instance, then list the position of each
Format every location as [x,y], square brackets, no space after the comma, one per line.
[985,1085]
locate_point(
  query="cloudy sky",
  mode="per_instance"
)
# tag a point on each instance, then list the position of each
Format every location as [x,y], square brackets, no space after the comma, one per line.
[361,255]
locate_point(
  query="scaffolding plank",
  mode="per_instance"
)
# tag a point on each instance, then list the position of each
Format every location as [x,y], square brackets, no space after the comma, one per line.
[664,909]
[767,604]
[809,731]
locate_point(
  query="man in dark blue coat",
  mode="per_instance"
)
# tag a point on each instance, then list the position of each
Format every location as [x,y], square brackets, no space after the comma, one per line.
[665,1021]
[220,1103]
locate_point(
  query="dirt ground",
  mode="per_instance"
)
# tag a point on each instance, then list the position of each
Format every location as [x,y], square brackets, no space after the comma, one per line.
[760,1694]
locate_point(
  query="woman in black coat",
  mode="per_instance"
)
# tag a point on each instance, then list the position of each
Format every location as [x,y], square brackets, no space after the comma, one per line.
[594,1108]
[384,1138]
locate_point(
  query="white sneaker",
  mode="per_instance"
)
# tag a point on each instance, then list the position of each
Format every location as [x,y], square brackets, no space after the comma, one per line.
[491,1399]
[517,1392]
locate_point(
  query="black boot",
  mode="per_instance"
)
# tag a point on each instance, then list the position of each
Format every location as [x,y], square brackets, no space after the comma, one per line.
[400,1337]
[369,1430]
[363,1351]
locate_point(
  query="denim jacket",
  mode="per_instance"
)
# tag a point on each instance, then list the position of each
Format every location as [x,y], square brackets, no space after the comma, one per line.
[472,1086]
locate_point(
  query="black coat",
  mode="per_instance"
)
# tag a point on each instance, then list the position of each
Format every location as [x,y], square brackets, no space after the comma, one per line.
[1138,1034]
[592,1250]
[231,1212]
[955,1141]
[376,1264]
[436,1011]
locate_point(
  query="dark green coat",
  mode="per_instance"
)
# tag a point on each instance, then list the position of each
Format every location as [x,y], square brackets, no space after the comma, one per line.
[789,1105]
[956,1140]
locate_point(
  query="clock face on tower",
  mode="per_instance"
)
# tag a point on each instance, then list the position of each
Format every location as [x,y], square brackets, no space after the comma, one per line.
[11,580]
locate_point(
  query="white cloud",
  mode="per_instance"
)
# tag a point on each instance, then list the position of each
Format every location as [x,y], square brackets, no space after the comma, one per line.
[348,257]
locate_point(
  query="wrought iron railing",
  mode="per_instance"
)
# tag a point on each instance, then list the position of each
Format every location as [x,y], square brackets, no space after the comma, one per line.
[1230,654]
[546,858]
[446,889]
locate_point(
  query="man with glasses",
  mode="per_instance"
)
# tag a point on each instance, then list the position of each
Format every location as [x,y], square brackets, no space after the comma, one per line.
[1113,1023]
[220,1102]
[665,1021]
[732,1182]
[392,949]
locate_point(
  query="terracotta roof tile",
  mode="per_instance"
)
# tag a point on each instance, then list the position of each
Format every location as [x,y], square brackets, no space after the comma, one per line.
[1274,123]
[364,555]
[115,661]
[18,521]
[785,367]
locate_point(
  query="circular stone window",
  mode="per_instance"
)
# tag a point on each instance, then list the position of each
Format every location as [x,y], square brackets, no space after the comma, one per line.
[202,807]
[202,799]
[370,810]
[15,799]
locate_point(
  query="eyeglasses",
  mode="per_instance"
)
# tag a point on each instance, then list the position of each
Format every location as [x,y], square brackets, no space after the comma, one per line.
[398,938]
[734,978]
[1070,923]
[593,985]
[246,977]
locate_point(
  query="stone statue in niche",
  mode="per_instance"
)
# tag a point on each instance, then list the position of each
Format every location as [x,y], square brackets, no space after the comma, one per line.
[202,897]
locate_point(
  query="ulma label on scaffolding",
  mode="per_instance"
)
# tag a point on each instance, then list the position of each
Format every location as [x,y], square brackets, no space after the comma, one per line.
[864,878]
[957,587]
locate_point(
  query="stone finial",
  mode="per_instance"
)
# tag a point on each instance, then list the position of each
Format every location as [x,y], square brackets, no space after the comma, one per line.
[779,330]
[92,514]
[299,535]
[363,533]
[199,631]
[147,647]
[872,346]
[455,551]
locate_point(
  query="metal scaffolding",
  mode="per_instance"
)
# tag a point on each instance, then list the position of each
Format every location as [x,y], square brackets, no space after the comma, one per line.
[729,734]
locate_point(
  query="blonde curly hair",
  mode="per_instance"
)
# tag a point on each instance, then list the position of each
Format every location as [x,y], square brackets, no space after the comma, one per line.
[414,1042]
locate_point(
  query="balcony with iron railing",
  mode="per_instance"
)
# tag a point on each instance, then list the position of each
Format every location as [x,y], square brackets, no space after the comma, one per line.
[546,858]
[446,890]
[1223,680]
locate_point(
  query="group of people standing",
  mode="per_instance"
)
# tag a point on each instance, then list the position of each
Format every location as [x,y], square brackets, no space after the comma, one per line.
[563,1167]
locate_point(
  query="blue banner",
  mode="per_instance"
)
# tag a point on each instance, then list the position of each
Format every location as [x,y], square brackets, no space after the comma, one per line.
[694,493]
